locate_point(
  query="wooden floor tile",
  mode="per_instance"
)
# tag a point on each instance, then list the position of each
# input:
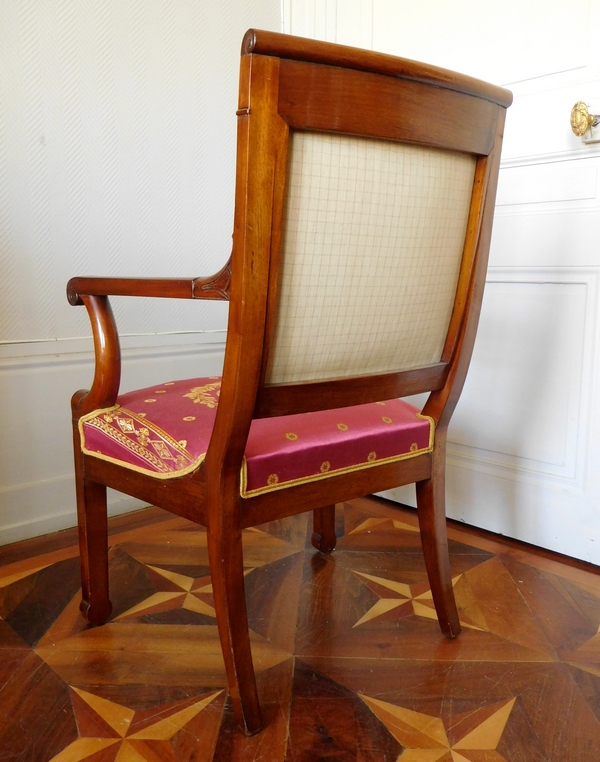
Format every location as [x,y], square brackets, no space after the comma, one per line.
[351,665]
[36,714]
[275,688]
[33,602]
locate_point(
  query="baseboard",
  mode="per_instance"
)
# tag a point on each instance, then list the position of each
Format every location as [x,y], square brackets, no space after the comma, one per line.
[31,510]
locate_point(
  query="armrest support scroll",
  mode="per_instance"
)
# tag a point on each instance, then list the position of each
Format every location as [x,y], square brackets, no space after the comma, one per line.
[107,375]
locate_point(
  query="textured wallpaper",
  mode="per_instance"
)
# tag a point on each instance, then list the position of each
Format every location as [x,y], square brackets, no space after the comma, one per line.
[117,153]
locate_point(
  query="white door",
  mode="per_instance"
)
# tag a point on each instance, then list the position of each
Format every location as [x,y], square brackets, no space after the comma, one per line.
[524,451]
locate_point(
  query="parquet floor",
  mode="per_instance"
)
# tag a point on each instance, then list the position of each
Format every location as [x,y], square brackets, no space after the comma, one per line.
[351,664]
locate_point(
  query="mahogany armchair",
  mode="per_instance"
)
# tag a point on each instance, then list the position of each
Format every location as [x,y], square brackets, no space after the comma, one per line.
[364,200]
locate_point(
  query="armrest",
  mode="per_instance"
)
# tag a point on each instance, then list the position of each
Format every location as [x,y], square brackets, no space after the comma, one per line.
[94,293]
[213,287]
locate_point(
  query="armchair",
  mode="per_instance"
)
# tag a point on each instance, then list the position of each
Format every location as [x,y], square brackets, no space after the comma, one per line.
[364,200]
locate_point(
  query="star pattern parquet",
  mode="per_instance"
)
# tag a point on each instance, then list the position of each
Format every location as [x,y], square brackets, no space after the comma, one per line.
[350,662]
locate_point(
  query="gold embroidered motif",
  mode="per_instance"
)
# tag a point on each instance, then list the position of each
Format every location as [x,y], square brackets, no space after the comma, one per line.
[385,419]
[291,436]
[273,479]
[190,418]
[150,400]
[108,418]
[159,391]
[325,466]
[143,437]
[183,443]
[372,456]
[342,427]
[126,425]
[161,449]
[200,395]
[142,415]
[380,403]
[414,447]
[169,383]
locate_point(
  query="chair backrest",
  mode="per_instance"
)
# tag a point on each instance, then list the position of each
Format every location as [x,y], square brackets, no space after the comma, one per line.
[364,199]
[373,236]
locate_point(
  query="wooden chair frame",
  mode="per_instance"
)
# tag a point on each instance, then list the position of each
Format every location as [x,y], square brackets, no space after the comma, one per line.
[288,83]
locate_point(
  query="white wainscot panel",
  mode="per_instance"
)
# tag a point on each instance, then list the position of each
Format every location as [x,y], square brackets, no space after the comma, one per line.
[348,23]
[547,183]
[542,239]
[37,492]
[521,405]
[310,18]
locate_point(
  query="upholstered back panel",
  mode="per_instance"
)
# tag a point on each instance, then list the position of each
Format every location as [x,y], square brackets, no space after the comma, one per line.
[372,241]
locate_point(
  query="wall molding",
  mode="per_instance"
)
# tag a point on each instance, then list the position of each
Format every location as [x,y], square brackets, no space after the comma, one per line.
[591,151]
[11,352]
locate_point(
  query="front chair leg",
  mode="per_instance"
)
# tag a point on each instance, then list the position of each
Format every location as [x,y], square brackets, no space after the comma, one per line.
[227,577]
[93,547]
[323,536]
[434,538]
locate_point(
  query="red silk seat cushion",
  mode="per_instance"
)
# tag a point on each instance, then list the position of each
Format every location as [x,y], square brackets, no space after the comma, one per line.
[165,430]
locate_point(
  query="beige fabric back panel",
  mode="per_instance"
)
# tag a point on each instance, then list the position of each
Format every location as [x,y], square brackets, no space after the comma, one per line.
[371,249]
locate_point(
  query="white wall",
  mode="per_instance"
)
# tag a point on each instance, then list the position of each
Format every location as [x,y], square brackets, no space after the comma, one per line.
[117,157]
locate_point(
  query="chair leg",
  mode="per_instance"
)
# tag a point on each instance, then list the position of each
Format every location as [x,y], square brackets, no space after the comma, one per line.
[323,536]
[434,538]
[227,576]
[93,547]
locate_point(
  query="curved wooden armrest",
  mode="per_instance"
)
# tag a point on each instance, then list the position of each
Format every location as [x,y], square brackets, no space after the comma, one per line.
[213,287]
